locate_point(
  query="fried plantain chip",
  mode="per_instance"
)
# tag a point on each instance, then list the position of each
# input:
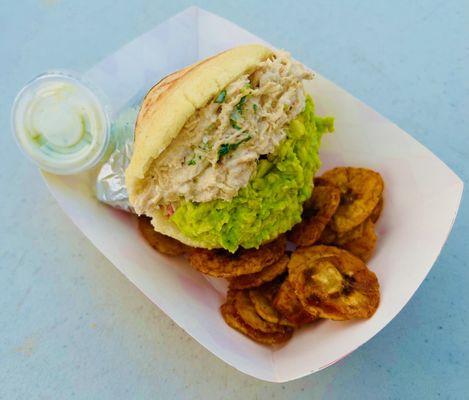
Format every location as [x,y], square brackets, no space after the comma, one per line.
[287,303]
[363,246]
[162,243]
[267,274]
[328,236]
[246,310]
[262,299]
[350,235]
[232,318]
[318,210]
[361,189]
[376,213]
[248,322]
[222,264]
[263,306]
[333,283]
[360,241]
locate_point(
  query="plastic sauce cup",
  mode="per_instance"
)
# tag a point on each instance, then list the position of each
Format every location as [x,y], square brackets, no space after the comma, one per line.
[60,123]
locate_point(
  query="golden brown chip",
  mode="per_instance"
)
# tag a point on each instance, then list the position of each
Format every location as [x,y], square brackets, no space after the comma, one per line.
[264,307]
[352,234]
[333,283]
[318,210]
[263,298]
[231,317]
[376,213]
[360,241]
[245,309]
[287,303]
[267,274]
[222,264]
[162,243]
[364,245]
[361,189]
[328,236]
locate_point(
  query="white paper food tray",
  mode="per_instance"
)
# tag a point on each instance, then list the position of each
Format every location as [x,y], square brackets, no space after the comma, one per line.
[422,196]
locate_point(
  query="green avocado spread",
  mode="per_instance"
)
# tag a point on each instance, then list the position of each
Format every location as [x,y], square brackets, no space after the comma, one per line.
[272,202]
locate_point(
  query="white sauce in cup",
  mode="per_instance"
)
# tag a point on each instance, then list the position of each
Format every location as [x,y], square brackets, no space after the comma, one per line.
[60,123]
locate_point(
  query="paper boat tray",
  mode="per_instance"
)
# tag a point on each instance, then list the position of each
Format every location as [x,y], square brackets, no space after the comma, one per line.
[422,196]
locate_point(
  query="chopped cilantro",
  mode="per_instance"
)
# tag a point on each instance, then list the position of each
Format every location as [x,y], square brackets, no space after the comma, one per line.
[235,125]
[237,112]
[234,118]
[254,107]
[240,105]
[221,97]
[191,162]
[225,148]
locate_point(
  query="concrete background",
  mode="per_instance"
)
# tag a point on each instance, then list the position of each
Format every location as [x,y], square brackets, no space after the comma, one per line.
[72,327]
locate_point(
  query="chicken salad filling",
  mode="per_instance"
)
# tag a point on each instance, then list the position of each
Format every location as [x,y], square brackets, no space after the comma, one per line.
[218,150]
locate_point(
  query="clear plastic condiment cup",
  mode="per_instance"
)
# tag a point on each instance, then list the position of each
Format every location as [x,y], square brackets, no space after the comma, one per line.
[61,122]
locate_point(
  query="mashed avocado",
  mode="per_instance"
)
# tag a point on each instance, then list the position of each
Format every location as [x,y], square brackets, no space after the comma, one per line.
[272,202]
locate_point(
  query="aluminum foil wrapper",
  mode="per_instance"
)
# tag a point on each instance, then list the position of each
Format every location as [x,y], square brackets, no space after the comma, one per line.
[110,182]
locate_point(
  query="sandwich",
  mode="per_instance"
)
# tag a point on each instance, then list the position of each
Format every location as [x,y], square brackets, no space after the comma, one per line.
[226,150]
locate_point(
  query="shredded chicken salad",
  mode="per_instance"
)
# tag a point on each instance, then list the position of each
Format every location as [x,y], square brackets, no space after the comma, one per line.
[217,151]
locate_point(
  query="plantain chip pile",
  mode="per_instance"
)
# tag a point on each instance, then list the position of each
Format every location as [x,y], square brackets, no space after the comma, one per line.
[271,291]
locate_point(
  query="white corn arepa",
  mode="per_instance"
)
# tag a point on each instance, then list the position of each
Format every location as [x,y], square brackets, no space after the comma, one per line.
[168,106]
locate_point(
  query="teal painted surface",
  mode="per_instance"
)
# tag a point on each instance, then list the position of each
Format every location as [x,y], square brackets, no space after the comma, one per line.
[71,326]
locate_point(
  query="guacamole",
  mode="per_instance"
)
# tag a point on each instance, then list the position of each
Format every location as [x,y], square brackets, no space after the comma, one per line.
[272,202]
